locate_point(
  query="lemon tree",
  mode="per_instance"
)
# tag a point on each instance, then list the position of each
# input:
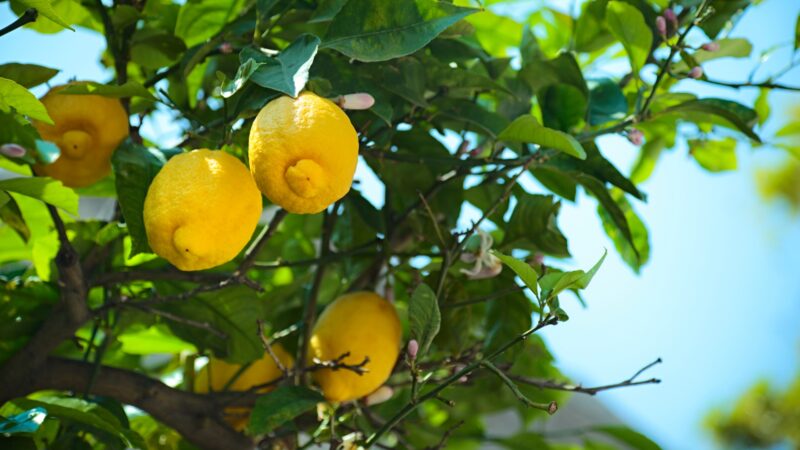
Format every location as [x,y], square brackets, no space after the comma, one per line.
[356,240]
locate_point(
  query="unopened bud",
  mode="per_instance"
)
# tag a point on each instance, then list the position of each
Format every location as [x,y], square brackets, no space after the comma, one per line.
[696,72]
[661,26]
[669,14]
[413,348]
[357,101]
[382,394]
[538,259]
[226,48]
[13,150]
[635,136]
[552,408]
[463,147]
[710,46]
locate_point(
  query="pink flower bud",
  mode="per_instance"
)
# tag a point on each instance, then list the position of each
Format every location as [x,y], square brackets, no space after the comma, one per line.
[710,46]
[669,14]
[463,147]
[226,48]
[661,26]
[413,348]
[13,150]
[538,259]
[696,72]
[635,136]
[358,101]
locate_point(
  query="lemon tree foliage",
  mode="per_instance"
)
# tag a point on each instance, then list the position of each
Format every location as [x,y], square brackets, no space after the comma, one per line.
[356,241]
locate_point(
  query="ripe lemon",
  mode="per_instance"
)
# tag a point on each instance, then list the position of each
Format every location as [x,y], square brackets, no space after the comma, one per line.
[216,375]
[303,152]
[201,209]
[363,324]
[87,129]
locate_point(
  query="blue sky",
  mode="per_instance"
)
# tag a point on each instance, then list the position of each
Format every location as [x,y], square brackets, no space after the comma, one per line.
[719,300]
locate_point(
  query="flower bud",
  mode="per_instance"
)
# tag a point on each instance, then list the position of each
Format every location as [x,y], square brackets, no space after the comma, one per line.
[13,150]
[357,101]
[710,46]
[661,26]
[413,348]
[635,136]
[669,14]
[696,72]
[226,48]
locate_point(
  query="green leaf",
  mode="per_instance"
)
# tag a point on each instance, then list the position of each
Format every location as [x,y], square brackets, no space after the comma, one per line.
[724,12]
[45,8]
[287,72]
[528,129]
[280,406]
[797,34]
[563,106]
[198,20]
[154,49]
[424,317]
[13,95]
[591,31]
[45,189]
[24,422]
[606,101]
[628,26]
[232,312]
[631,438]
[82,412]
[716,155]
[533,226]
[617,216]
[129,89]
[557,282]
[635,252]
[155,339]
[737,115]
[135,166]
[597,166]
[728,48]
[377,30]
[27,75]
[326,10]
[524,270]
[12,216]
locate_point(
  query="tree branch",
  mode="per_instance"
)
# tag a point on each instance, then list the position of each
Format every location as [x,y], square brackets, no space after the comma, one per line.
[198,418]
[30,15]
[62,323]
[564,386]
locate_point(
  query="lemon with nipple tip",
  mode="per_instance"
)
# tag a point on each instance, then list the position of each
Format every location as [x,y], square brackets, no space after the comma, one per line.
[303,152]
[87,129]
[201,209]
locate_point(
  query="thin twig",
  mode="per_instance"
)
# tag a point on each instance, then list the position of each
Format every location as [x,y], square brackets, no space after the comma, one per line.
[569,387]
[28,16]
[310,307]
[252,252]
[551,407]
[268,348]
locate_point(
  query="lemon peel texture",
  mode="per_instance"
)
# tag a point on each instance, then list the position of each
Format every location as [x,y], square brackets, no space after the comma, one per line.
[201,209]
[87,129]
[365,325]
[303,152]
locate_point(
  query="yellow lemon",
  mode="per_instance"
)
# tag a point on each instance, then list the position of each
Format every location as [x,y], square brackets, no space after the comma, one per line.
[201,209]
[303,152]
[365,325]
[87,129]
[216,375]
